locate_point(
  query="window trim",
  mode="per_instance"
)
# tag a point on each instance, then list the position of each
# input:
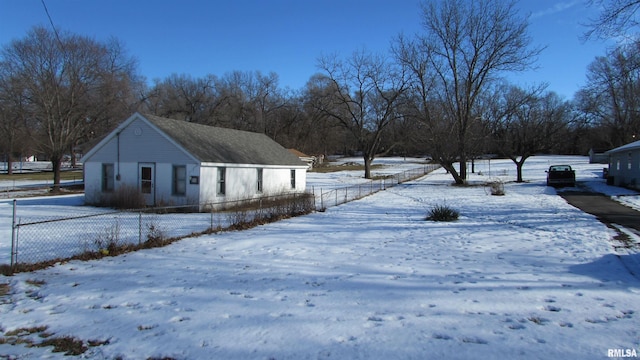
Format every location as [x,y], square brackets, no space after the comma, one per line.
[260,180]
[221,188]
[176,189]
[108,179]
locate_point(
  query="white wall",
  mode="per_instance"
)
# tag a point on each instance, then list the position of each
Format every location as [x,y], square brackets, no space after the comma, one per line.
[163,183]
[242,182]
[140,143]
[627,173]
[92,182]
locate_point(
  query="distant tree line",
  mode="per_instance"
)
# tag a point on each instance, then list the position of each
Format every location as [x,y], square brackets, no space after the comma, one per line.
[441,93]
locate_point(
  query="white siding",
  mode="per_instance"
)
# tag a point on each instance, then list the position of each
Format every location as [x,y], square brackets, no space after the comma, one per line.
[242,182]
[139,142]
[92,182]
[624,167]
[163,183]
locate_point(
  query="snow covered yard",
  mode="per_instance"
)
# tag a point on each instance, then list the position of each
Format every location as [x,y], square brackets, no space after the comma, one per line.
[523,275]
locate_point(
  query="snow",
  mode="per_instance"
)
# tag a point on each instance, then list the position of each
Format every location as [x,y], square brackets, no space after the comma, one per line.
[524,275]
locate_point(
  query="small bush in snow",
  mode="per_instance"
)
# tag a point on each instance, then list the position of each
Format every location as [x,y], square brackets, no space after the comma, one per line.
[443,213]
[107,241]
[497,188]
[155,235]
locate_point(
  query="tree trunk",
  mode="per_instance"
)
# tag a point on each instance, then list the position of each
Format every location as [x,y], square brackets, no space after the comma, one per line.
[451,169]
[74,164]
[519,171]
[519,166]
[463,168]
[56,164]
[367,166]
[9,164]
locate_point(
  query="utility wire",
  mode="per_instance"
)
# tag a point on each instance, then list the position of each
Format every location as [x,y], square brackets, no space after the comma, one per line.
[55,31]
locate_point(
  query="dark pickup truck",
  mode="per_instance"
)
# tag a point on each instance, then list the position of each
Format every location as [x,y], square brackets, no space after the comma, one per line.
[561,175]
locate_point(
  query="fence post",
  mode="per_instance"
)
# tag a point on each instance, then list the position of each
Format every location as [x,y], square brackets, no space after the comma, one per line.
[117,220]
[139,227]
[14,254]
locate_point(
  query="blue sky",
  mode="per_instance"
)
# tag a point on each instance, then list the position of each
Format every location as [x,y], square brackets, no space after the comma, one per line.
[200,37]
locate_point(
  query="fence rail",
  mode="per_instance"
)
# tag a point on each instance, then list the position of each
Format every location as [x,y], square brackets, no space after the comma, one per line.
[8,187]
[35,240]
[334,197]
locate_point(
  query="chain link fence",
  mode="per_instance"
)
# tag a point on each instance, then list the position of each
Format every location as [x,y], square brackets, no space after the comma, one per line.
[48,239]
[334,197]
[45,239]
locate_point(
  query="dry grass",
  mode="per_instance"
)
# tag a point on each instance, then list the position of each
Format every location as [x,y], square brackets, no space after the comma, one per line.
[44,176]
[329,167]
[125,197]
[66,344]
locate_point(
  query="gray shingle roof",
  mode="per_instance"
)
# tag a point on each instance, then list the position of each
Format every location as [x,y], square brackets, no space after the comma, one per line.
[221,145]
[631,146]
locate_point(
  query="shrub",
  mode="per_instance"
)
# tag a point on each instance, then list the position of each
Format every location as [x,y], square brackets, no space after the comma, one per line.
[107,240]
[496,188]
[443,213]
[239,218]
[125,197]
[155,235]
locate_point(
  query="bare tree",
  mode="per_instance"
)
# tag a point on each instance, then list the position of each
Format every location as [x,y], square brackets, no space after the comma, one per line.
[183,97]
[611,98]
[320,132]
[526,123]
[365,90]
[12,119]
[267,103]
[465,46]
[423,106]
[68,82]
[617,19]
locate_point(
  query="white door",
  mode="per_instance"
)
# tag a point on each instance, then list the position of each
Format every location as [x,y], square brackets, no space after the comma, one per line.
[147,176]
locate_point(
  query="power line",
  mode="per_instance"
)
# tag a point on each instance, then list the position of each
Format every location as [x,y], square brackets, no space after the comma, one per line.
[55,31]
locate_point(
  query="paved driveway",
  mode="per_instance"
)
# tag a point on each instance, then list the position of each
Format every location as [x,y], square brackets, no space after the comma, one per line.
[608,211]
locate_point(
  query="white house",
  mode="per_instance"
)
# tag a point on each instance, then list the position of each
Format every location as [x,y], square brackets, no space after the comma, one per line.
[598,156]
[181,163]
[309,160]
[624,165]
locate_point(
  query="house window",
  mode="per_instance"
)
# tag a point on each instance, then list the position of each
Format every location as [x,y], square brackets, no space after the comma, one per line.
[179,182]
[629,162]
[107,178]
[259,180]
[222,177]
[617,164]
[293,179]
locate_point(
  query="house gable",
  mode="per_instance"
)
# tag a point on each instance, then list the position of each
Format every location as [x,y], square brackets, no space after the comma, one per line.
[136,140]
